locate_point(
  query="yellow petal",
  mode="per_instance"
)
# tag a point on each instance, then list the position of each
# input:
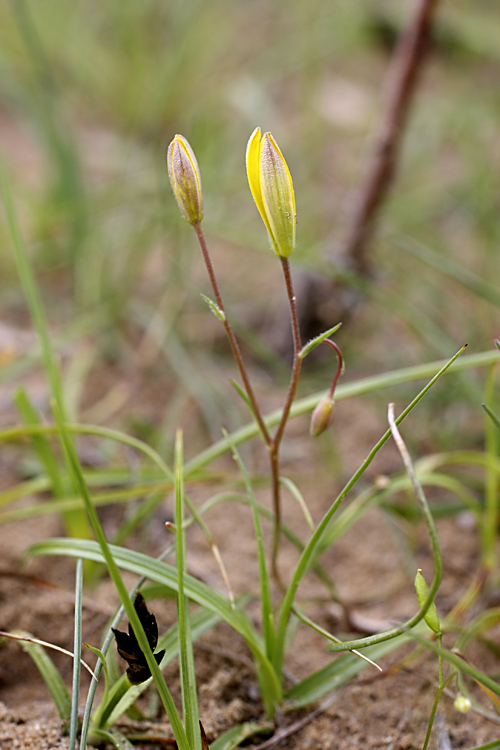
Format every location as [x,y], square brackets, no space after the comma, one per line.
[253,173]
[277,195]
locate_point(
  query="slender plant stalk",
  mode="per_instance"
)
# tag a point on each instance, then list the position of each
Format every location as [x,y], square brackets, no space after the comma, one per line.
[340,367]
[276,442]
[441,688]
[273,444]
[232,338]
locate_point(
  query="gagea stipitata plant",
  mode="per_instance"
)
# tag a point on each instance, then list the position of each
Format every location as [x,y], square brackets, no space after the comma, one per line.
[144,644]
[271,186]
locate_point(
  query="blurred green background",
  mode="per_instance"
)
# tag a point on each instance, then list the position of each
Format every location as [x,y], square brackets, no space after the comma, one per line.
[92,92]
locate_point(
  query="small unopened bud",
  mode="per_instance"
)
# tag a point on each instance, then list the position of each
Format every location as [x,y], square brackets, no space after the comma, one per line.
[272,189]
[431,617]
[462,704]
[322,416]
[184,176]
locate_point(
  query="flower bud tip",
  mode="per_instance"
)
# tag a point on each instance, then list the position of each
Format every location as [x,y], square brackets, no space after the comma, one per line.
[272,190]
[322,416]
[184,176]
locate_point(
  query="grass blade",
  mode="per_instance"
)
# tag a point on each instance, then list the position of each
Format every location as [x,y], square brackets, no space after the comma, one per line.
[236,735]
[114,572]
[77,650]
[51,676]
[186,661]
[115,738]
[489,522]
[452,270]
[160,572]
[265,589]
[337,673]
[315,539]
[346,390]
[297,495]
[40,442]
[124,695]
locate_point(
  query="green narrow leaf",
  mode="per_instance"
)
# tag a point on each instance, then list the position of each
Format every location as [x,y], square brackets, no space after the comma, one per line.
[436,552]
[265,590]
[492,415]
[186,661]
[346,390]
[297,494]
[163,573]
[51,676]
[101,656]
[456,661]
[40,442]
[75,520]
[309,549]
[489,521]
[241,393]
[236,735]
[76,469]
[219,314]
[116,738]
[30,288]
[123,695]
[77,651]
[317,340]
[338,672]
[448,267]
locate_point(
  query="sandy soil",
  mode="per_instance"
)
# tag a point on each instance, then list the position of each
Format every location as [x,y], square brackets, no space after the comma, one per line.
[388,710]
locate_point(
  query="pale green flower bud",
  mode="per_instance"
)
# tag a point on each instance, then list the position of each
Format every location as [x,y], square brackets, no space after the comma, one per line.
[462,704]
[184,176]
[272,189]
[431,617]
[322,416]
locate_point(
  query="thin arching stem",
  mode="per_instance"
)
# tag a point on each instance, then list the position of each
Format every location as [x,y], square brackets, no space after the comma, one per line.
[273,444]
[276,441]
[232,338]
[340,366]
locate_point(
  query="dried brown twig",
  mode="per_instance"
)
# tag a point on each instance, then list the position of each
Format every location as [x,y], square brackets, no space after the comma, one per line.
[401,83]
[284,732]
[322,301]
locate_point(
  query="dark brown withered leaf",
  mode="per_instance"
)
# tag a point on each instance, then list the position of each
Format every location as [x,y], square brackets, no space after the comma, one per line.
[129,649]
[204,741]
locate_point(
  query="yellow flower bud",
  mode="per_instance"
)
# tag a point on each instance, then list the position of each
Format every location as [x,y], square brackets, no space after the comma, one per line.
[272,189]
[184,176]
[431,617]
[321,416]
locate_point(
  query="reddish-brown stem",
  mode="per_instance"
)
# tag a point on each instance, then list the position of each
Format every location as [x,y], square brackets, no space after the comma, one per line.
[273,444]
[232,338]
[276,441]
[340,365]
[297,345]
